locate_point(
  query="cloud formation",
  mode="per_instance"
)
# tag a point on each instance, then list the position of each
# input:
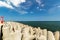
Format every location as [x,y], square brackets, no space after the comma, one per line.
[38,1]
[4,4]
[20,6]
[7,3]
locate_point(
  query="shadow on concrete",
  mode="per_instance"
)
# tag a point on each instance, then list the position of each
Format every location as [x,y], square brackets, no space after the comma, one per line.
[1,33]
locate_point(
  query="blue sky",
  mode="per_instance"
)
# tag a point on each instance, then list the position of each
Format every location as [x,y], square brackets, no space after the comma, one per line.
[30,10]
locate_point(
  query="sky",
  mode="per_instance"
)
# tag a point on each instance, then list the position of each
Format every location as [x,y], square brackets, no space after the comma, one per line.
[30,10]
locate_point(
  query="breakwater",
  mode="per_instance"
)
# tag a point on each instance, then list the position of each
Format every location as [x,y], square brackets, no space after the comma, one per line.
[19,31]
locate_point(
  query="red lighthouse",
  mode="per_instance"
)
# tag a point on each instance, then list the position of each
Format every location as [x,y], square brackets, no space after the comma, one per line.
[1,19]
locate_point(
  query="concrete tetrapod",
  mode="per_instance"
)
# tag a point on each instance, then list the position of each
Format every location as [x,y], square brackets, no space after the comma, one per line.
[19,31]
[57,35]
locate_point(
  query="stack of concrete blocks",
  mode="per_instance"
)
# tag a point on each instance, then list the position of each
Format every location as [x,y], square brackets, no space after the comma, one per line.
[18,31]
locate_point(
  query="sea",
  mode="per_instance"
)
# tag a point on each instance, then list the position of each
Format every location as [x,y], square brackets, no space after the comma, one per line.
[49,25]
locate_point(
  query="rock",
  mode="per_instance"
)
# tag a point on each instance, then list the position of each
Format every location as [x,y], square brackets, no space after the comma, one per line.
[44,32]
[19,31]
[50,36]
[57,35]
[42,37]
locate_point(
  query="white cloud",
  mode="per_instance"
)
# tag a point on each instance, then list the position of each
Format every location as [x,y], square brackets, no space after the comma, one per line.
[58,6]
[7,3]
[42,5]
[27,5]
[23,12]
[37,7]
[4,4]
[16,2]
[38,1]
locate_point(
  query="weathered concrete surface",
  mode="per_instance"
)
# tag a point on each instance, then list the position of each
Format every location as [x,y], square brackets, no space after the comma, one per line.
[18,31]
[57,35]
[50,36]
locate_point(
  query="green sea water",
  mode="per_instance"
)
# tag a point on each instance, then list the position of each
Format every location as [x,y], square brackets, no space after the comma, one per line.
[49,25]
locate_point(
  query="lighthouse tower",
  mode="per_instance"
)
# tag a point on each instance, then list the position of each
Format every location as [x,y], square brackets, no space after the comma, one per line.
[1,19]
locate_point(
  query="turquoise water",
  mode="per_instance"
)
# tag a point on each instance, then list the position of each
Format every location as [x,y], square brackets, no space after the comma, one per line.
[49,25]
